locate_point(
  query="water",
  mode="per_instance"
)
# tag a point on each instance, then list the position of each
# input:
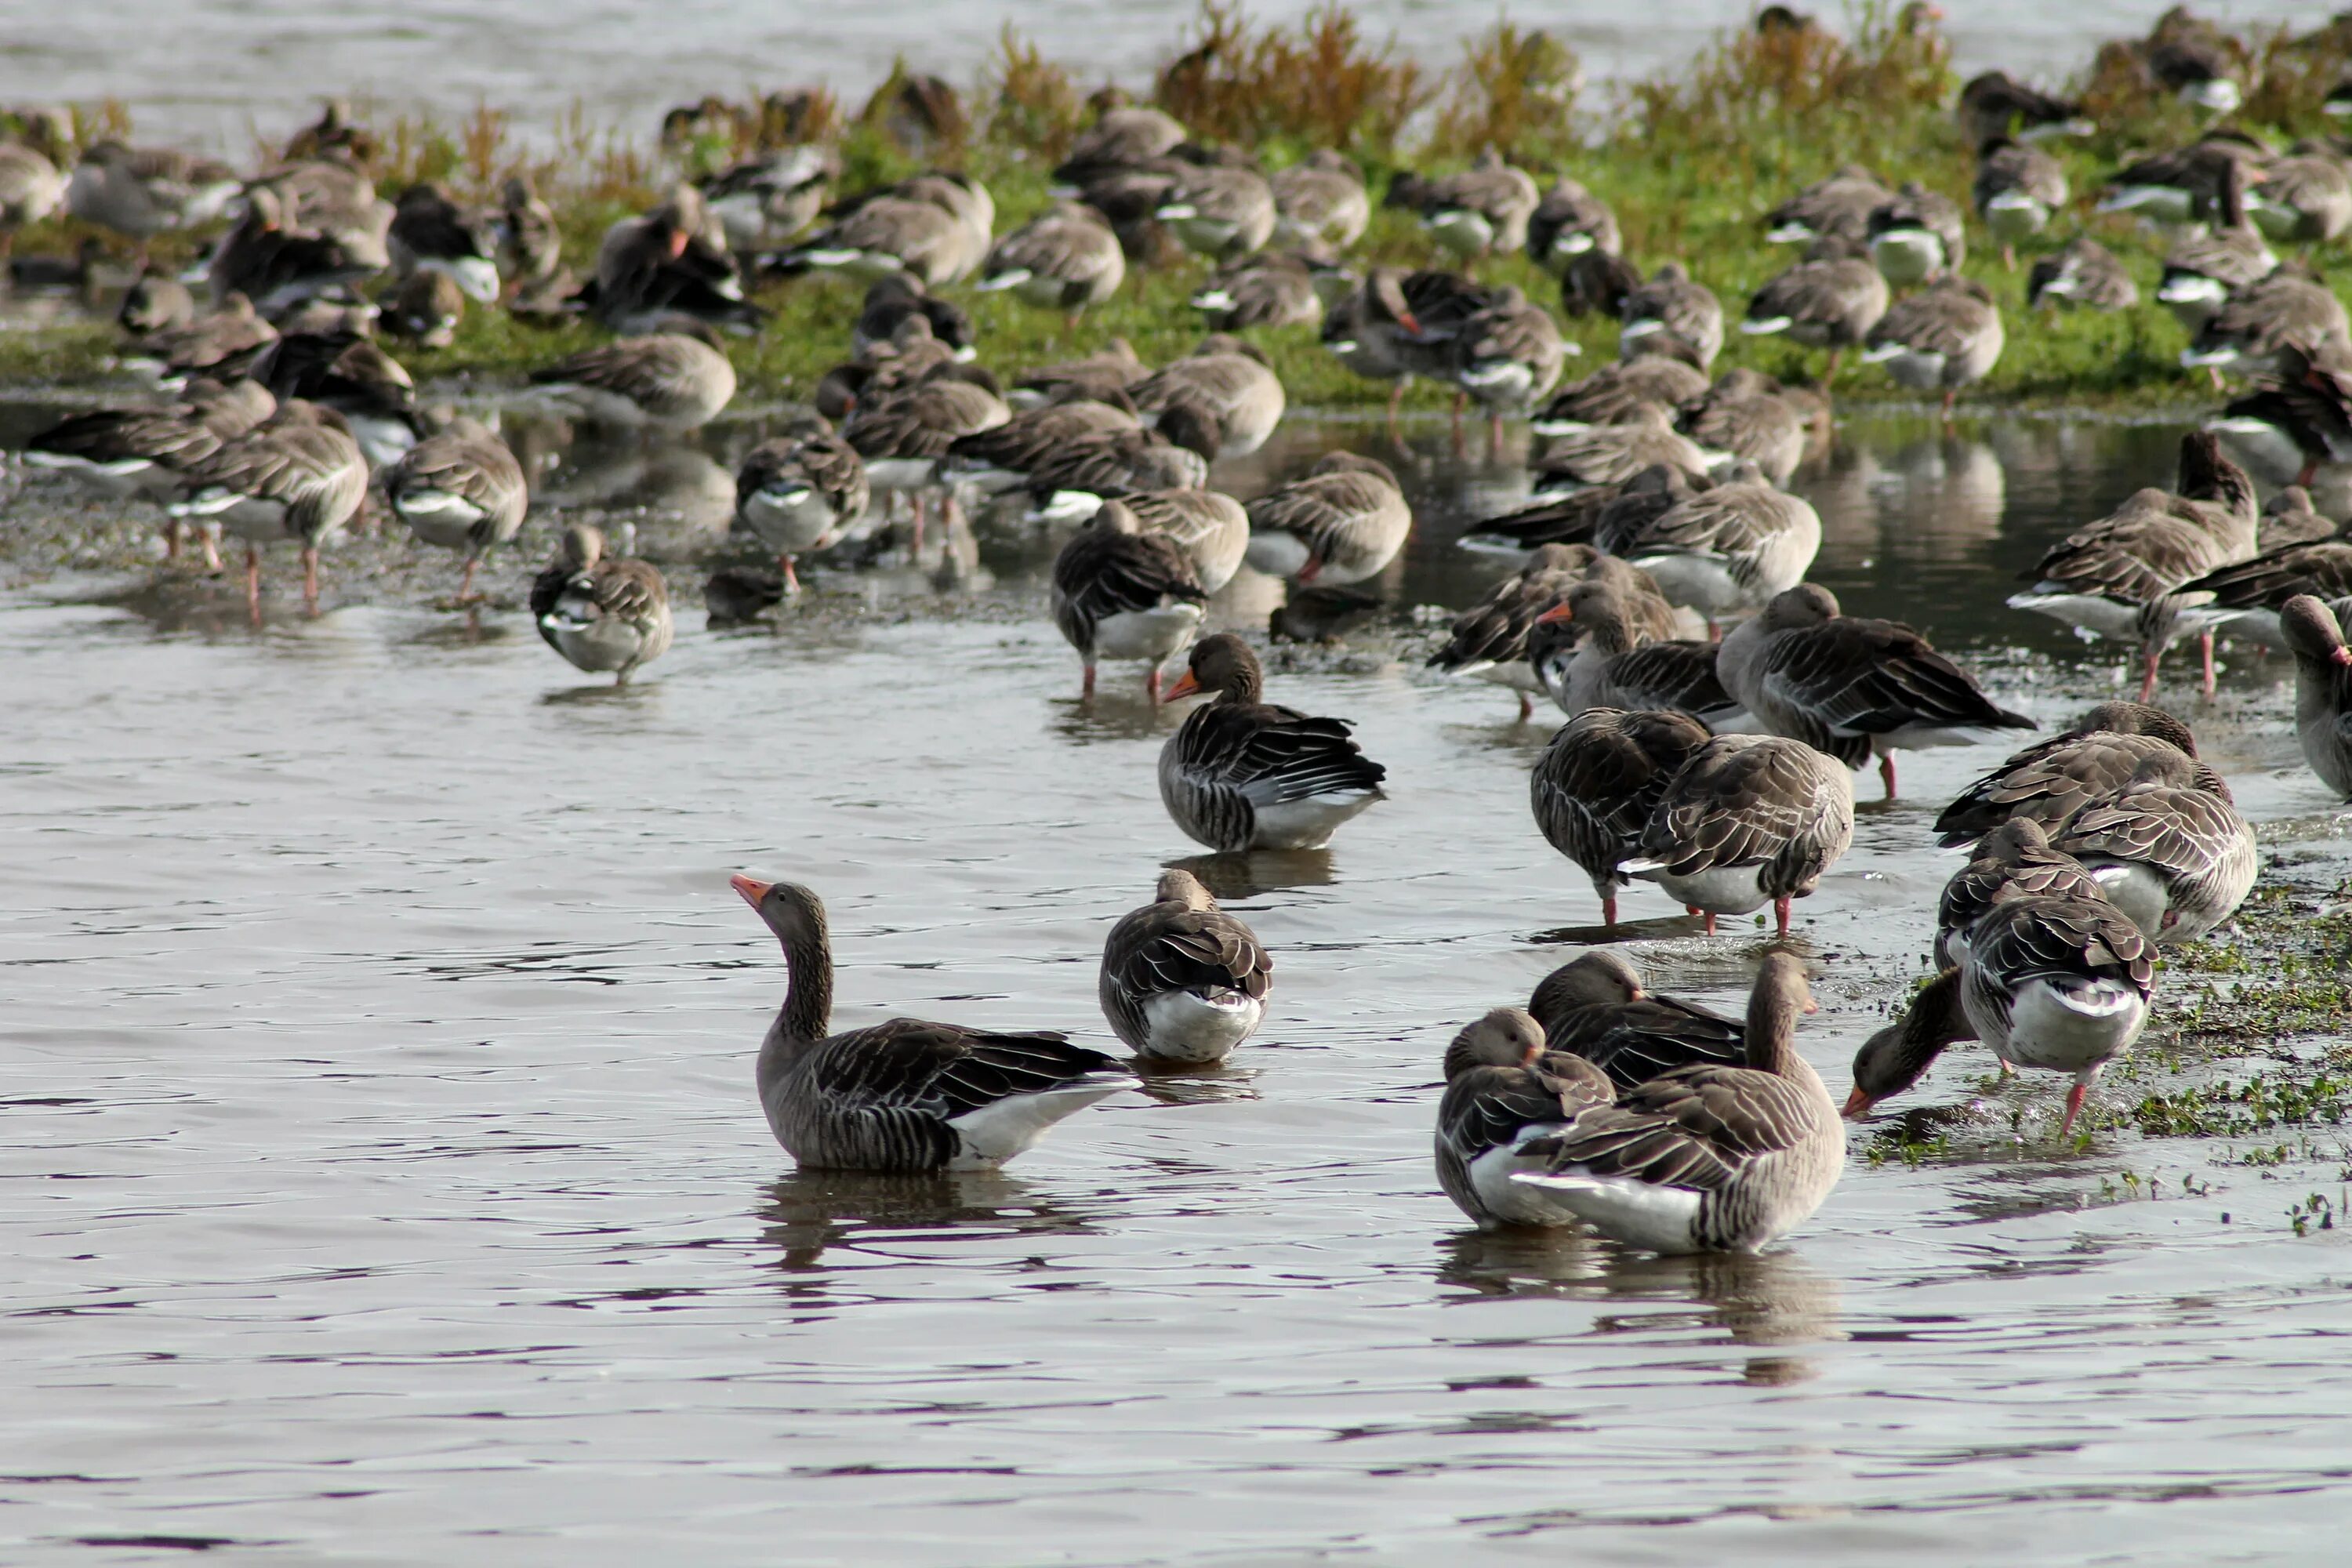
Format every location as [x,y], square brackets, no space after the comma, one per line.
[215,71]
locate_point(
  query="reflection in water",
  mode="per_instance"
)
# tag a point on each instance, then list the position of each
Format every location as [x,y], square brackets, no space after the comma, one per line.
[878,1219]
[1249,873]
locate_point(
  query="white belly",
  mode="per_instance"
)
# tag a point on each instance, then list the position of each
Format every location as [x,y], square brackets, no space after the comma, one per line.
[1702,582]
[1150,635]
[1308,823]
[2137,893]
[900,473]
[1179,1026]
[998,1130]
[1907,256]
[790,520]
[2093,613]
[1658,1219]
[1278,555]
[2072,1032]
[1724,890]
[1515,1202]
[437,517]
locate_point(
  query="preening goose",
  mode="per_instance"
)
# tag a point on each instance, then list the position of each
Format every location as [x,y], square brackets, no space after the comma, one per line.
[1065,258]
[1576,517]
[1596,1006]
[2270,325]
[1595,785]
[142,451]
[1749,820]
[2170,847]
[2019,188]
[1341,523]
[1612,665]
[1122,593]
[462,489]
[1396,325]
[1320,200]
[296,476]
[351,374]
[2059,983]
[2050,781]
[1001,456]
[1229,382]
[906,1095]
[667,380]
[1243,773]
[1945,337]
[431,233]
[2013,860]
[800,493]
[2246,599]
[1503,1090]
[600,611]
[1181,980]
[1829,304]
[2084,275]
[1610,394]
[1489,639]
[671,263]
[891,299]
[2205,266]
[2305,198]
[1569,222]
[1507,356]
[2323,697]
[1672,302]
[1209,527]
[1729,548]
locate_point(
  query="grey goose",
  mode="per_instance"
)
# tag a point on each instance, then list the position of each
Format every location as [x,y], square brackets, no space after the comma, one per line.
[766,200]
[2304,198]
[1729,548]
[2322,695]
[432,232]
[670,380]
[1504,1090]
[600,611]
[1320,200]
[1899,1054]
[2082,275]
[1219,211]
[1614,663]
[1340,523]
[1120,592]
[1916,236]
[462,489]
[218,343]
[1245,773]
[934,227]
[2019,189]
[1227,381]
[1489,639]
[1995,104]
[1182,981]
[1829,304]
[2059,983]
[1569,222]
[1068,481]
[1481,211]
[1748,416]
[1597,1006]
[1749,820]
[143,190]
[1671,301]
[2263,323]
[1945,337]
[2051,780]
[2014,860]
[1596,783]
[1270,289]
[1610,394]
[1065,258]
[1613,453]
[298,476]
[1507,356]
[799,493]
[2170,847]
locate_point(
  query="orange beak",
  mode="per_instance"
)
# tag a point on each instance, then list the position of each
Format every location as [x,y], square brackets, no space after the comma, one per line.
[2342,656]
[1312,569]
[1856,1104]
[1186,687]
[678,237]
[1556,614]
[1409,321]
[1811,1006]
[751,889]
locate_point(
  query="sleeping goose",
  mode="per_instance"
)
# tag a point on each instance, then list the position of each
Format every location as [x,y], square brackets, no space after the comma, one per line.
[892,299]
[1481,211]
[275,259]
[1341,523]
[209,345]
[1596,1006]
[1065,258]
[1122,134]
[143,190]
[1610,394]
[1123,593]
[1103,376]
[1827,305]
[2261,324]
[1672,302]
[1996,105]
[2019,188]
[1574,517]
[1569,222]
[2084,275]
[2192,62]
[2170,847]
[798,493]
[600,611]
[1609,665]
[1068,483]
[1219,211]
[668,380]
[1708,1158]
[1945,337]
[460,489]
[905,1095]
[2014,860]
[1729,548]
[2305,198]
[1181,980]
[1320,200]
[1489,639]
[1209,527]
[1613,453]
[1851,685]
[1916,236]
[1749,820]
[155,302]
[1271,288]
[1001,456]
[296,476]
[2051,780]
[431,233]
[1243,773]
[1503,1090]
[2323,691]
[2059,983]
[1747,416]
[1836,210]
[934,227]
[1227,380]
[1594,785]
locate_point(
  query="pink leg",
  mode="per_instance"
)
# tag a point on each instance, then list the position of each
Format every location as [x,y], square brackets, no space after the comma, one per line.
[1527,708]
[1396,401]
[253,581]
[1152,686]
[212,549]
[1781,913]
[171,539]
[466,588]
[1711,922]
[2205,651]
[922,506]
[310,578]
[2147,677]
[1495,433]
[1949,393]
[2074,1097]
[1608,908]
[1089,688]
[792,578]
[1886,773]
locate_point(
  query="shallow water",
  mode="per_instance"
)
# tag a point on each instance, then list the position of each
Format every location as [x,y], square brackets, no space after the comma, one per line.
[384,1181]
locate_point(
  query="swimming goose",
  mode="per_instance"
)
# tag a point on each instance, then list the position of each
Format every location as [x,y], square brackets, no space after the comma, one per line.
[1996,105]
[2305,198]
[1320,200]
[931,226]
[1609,666]
[2013,862]
[1503,1090]
[1851,685]
[799,493]
[1396,325]
[1181,980]
[1481,211]
[1068,482]
[1210,528]
[1219,211]
[1594,786]
[1226,379]
[2261,324]
[1596,1006]
[156,302]
[1746,416]
[2298,413]
[1124,593]
[1672,302]
[2100,578]
[1749,820]
[1065,258]
[2322,689]
[143,191]
[1945,337]
[600,611]
[2051,780]
[667,380]
[1271,288]
[891,301]
[296,476]
[1827,305]
[767,200]
[425,310]
[1729,548]
[460,489]
[1344,522]
[1241,773]
[1569,222]
[431,233]
[2019,188]
[1489,639]
[1916,236]
[1610,394]
[2170,847]
[1836,210]
[905,1095]
[1707,1158]
[1613,453]
[2059,983]
[30,189]
[2084,275]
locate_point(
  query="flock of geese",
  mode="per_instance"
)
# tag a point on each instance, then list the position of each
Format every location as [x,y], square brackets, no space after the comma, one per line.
[1717,703]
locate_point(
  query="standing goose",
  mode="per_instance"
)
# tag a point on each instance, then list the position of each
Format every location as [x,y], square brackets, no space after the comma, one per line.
[1749,820]
[1899,1054]
[1489,639]
[1209,527]
[1709,1158]
[2246,599]
[1341,523]
[460,489]
[1241,773]
[1610,394]
[1611,667]
[1228,381]
[218,344]
[1001,456]
[801,493]
[349,373]
[1219,211]
[2206,266]
[1596,1006]
[903,440]
[2323,693]
[1503,1090]
[666,380]
[2265,326]
[1729,548]
[905,1095]
[142,452]
[2198,184]
[2170,847]
[1120,592]
[296,476]
[2014,860]
[2084,275]
[1944,338]
[2059,983]
[1394,325]
[600,612]
[1067,484]
[1835,211]
[1569,222]
[1594,786]
[1916,236]
[1747,416]
[2051,780]
[1482,211]
[1827,305]
[1065,258]
[1507,356]
[2298,413]
[1181,980]
[1851,685]
[1614,454]
[1672,302]
[2019,188]
[1320,200]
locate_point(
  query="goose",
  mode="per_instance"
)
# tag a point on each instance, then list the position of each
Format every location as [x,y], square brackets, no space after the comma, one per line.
[1227,380]
[431,233]
[799,493]
[1241,773]
[1611,666]
[30,190]
[2059,983]
[1489,639]
[903,438]
[1672,302]
[1068,483]
[1181,980]
[272,258]
[1101,377]
[738,595]
[1219,211]
[1852,686]
[672,262]
[1574,517]
[769,199]
[2200,182]
[2019,188]
[2298,413]
[1209,527]
[1707,1158]
[142,452]
[1507,356]
[143,190]
[1729,548]
[1481,211]
[1130,196]
[298,475]
[1322,615]
[1945,337]
[156,302]
[600,611]
[1065,258]
[2195,66]
[2270,324]
[1121,135]
[1595,784]
[2322,689]
[668,380]
[1827,305]
[1614,454]
[2014,860]
[1503,1090]
[2305,198]
[2170,847]
[934,227]
[2205,269]
[2084,275]
[426,309]
[531,244]
[1396,325]
[1001,456]
[1124,593]
[1836,210]
[1569,222]
[2100,578]
[1747,416]
[1610,394]
[460,489]
[1596,1007]
[1996,105]
[2051,780]
[1595,282]
[2247,599]
[349,373]
[906,1095]
[1320,200]
[892,300]
[1271,288]
[1749,820]
[1899,1054]
[1344,522]
[1916,236]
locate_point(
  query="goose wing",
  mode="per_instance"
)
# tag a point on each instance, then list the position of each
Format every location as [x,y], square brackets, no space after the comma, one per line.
[1272,754]
[1694,1127]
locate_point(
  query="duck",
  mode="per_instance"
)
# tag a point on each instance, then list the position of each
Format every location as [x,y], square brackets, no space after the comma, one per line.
[1899,1056]
[1569,222]
[2170,847]
[767,200]
[1614,454]
[1340,523]
[1219,210]
[2261,326]
[1227,380]
[2051,780]
[1507,356]
[1610,394]
[1489,639]
[156,302]
[431,233]
[1748,416]
[2019,188]
[1916,236]
[1270,289]
[1481,211]
[801,492]
[600,611]
[1730,548]
[298,475]
[1671,301]
[905,1096]
[2322,689]
[1320,200]
[1836,210]
[1851,685]
[1707,1158]
[1593,787]
[1065,258]
[1210,526]
[1749,820]
[1068,483]
[2014,860]
[1996,105]
[1597,1006]
[1504,1090]
[1945,337]
[2082,275]
[1181,980]
[143,190]
[460,489]
[1611,665]
[1125,593]
[2059,983]
[672,380]
[1830,304]
[934,227]
[1243,773]
[2305,198]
